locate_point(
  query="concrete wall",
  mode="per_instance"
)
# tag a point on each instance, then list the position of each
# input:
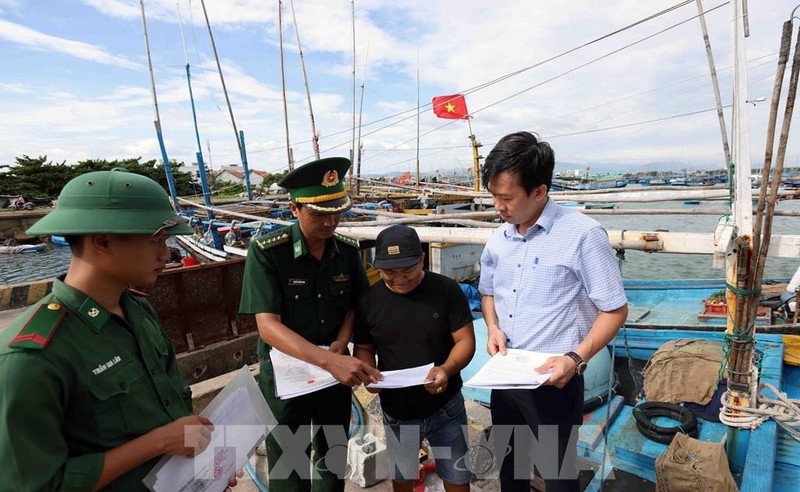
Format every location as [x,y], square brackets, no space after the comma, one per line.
[17,296]
[13,224]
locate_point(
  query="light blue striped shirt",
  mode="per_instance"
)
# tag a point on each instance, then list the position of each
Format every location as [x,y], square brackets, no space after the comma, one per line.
[550,284]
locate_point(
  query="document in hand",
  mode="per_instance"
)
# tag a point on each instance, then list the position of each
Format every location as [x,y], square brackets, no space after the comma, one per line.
[403,378]
[241,420]
[294,377]
[515,370]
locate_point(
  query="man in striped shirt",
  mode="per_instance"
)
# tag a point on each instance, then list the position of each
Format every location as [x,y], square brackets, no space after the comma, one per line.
[549,283]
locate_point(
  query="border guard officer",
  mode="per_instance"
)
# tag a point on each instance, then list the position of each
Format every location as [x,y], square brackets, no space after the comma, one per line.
[302,282]
[91,393]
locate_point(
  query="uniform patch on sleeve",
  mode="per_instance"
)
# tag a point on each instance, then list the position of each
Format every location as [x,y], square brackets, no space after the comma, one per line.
[40,327]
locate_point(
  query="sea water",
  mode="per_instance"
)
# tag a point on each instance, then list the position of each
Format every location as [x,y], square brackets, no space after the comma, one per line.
[27,267]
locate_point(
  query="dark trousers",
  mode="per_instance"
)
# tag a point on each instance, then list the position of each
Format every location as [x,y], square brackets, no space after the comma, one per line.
[545,425]
[326,414]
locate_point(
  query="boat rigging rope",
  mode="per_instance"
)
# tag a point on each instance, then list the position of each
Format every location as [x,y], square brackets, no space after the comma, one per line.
[784,410]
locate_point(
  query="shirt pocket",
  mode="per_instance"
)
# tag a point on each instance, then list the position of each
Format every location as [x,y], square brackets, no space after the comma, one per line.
[549,284]
[341,294]
[299,307]
[118,403]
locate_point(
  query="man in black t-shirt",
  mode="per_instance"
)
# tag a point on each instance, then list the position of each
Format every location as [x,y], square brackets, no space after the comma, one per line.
[413,318]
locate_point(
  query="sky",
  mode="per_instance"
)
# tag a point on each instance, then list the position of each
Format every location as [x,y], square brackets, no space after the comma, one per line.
[74,82]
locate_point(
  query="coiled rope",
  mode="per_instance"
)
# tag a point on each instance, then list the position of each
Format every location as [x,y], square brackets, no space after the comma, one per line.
[784,410]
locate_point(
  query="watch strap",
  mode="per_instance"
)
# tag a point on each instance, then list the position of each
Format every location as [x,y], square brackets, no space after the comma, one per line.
[579,362]
[577,358]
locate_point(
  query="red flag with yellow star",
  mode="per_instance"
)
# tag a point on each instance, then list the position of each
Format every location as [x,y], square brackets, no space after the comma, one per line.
[453,107]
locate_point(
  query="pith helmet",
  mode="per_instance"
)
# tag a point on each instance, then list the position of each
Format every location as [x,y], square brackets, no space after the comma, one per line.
[112,202]
[319,185]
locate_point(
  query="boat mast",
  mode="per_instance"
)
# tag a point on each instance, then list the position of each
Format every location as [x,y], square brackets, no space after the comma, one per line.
[358,143]
[283,87]
[353,131]
[236,132]
[713,71]
[157,122]
[743,204]
[419,185]
[476,158]
[314,135]
[359,146]
[201,167]
[221,77]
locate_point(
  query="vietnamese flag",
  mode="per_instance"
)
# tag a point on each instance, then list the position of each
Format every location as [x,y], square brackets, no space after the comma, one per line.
[453,107]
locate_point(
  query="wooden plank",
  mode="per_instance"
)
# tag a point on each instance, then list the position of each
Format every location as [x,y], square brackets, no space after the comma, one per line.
[786,246]
[596,423]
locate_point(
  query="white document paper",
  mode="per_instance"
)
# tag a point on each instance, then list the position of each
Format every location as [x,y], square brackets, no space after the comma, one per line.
[515,370]
[241,420]
[403,378]
[294,377]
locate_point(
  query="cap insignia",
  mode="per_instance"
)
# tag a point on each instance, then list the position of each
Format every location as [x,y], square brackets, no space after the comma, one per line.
[393,250]
[331,178]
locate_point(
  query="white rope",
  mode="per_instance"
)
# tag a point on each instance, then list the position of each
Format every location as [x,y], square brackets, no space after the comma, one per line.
[785,411]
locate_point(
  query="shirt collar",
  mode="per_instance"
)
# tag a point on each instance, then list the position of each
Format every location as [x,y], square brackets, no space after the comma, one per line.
[81,304]
[544,222]
[548,217]
[299,247]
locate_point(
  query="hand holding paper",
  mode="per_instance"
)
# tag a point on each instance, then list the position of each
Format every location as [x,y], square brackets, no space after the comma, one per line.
[560,368]
[242,418]
[438,380]
[403,378]
[515,370]
[294,377]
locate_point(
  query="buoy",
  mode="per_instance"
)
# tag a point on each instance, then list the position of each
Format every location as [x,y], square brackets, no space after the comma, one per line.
[189,261]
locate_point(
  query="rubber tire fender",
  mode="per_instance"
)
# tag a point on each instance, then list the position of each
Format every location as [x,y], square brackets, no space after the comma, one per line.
[644,412]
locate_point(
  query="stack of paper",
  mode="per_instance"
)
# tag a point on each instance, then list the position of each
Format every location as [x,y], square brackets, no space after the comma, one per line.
[403,378]
[241,419]
[515,370]
[294,377]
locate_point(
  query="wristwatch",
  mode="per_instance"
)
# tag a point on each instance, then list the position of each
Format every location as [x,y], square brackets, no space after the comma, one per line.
[578,361]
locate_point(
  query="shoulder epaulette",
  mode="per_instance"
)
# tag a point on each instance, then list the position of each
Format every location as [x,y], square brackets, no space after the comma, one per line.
[273,239]
[346,240]
[40,327]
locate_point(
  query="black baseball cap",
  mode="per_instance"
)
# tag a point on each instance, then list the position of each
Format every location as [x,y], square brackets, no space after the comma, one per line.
[397,246]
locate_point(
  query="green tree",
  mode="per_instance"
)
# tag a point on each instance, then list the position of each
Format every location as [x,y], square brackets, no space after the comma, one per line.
[152,169]
[35,176]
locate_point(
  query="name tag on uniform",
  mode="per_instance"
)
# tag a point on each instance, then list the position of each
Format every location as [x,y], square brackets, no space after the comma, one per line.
[298,281]
[341,278]
[106,365]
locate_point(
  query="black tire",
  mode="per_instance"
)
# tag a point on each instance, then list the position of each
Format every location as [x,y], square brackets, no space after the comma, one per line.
[644,412]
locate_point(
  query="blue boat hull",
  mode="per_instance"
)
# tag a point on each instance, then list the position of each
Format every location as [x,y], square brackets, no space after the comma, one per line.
[761,460]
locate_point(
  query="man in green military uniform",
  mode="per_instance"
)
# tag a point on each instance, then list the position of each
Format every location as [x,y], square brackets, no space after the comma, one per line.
[91,394]
[302,282]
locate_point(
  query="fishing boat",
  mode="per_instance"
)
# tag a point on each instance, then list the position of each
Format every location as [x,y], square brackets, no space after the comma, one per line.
[198,308]
[600,206]
[22,248]
[58,240]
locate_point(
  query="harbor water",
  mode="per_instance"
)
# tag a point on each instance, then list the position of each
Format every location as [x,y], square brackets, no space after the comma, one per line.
[20,268]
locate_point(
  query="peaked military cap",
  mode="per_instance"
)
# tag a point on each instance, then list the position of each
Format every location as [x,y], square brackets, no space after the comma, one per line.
[319,185]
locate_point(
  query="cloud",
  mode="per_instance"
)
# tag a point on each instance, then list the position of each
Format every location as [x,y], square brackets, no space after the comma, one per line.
[454,44]
[36,40]
[220,12]
[14,89]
